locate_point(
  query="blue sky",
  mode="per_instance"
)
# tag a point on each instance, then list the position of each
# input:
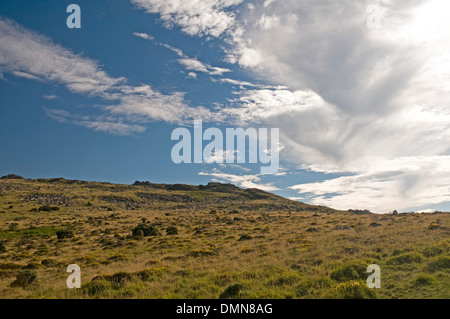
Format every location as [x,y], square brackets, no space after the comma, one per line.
[362,111]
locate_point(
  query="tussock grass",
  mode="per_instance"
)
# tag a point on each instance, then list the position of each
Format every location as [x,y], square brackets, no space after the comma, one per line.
[179,241]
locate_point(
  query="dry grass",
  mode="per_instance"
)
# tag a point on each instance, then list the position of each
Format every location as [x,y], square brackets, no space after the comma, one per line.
[268,246]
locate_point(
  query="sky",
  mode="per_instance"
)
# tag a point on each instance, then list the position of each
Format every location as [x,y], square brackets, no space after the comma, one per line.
[360,92]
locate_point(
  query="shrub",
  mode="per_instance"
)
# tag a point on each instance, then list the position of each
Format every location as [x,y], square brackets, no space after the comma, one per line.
[355,270]
[400,251]
[9,266]
[232,292]
[12,176]
[439,263]
[433,251]
[286,279]
[202,252]
[63,234]
[149,274]
[424,280]
[96,287]
[48,208]
[405,258]
[434,226]
[49,263]
[172,231]
[32,265]
[117,280]
[352,290]
[314,287]
[145,230]
[245,237]
[24,278]
[375,224]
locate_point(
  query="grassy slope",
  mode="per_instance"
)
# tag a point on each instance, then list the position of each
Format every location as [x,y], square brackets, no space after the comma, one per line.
[230,243]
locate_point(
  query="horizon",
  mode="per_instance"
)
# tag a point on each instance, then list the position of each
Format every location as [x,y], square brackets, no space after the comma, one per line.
[358,91]
[211,182]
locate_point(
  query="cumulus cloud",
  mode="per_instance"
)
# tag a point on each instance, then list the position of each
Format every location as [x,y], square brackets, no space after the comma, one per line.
[360,101]
[194,17]
[192,75]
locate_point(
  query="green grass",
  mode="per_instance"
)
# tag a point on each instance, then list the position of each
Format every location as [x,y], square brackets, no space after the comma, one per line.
[44,231]
[253,245]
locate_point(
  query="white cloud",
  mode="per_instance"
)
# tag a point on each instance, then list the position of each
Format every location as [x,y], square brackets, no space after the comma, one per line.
[27,54]
[101,123]
[195,17]
[401,183]
[195,65]
[192,75]
[144,36]
[262,105]
[26,75]
[237,82]
[268,22]
[245,181]
[50,97]
[268,3]
[190,64]
[179,52]
[356,98]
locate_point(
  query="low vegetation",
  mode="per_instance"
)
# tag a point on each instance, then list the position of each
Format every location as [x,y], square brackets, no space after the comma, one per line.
[212,241]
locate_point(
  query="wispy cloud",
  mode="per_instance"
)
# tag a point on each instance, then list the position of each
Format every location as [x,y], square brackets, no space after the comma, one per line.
[246,181]
[27,54]
[195,65]
[187,62]
[105,124]
[144,36]
[50,97]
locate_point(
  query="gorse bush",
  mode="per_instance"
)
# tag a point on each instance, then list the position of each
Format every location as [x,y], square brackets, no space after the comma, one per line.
[424,280]
[433,251]
[354,270]
[24,278]
[232,292]
[97,287]
[439,263]
[352,290]
[405,258]
[65,234]
[314,287]
[172,231]
[48,208]
[145,230]
[150,274]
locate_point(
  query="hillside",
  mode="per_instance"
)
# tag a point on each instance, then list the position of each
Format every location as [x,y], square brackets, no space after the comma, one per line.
[181,241]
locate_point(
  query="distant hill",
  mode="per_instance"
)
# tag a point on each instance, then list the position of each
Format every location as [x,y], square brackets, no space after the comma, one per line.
[142,195]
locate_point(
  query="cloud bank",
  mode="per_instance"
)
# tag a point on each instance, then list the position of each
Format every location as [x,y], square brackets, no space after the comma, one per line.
[372,103]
